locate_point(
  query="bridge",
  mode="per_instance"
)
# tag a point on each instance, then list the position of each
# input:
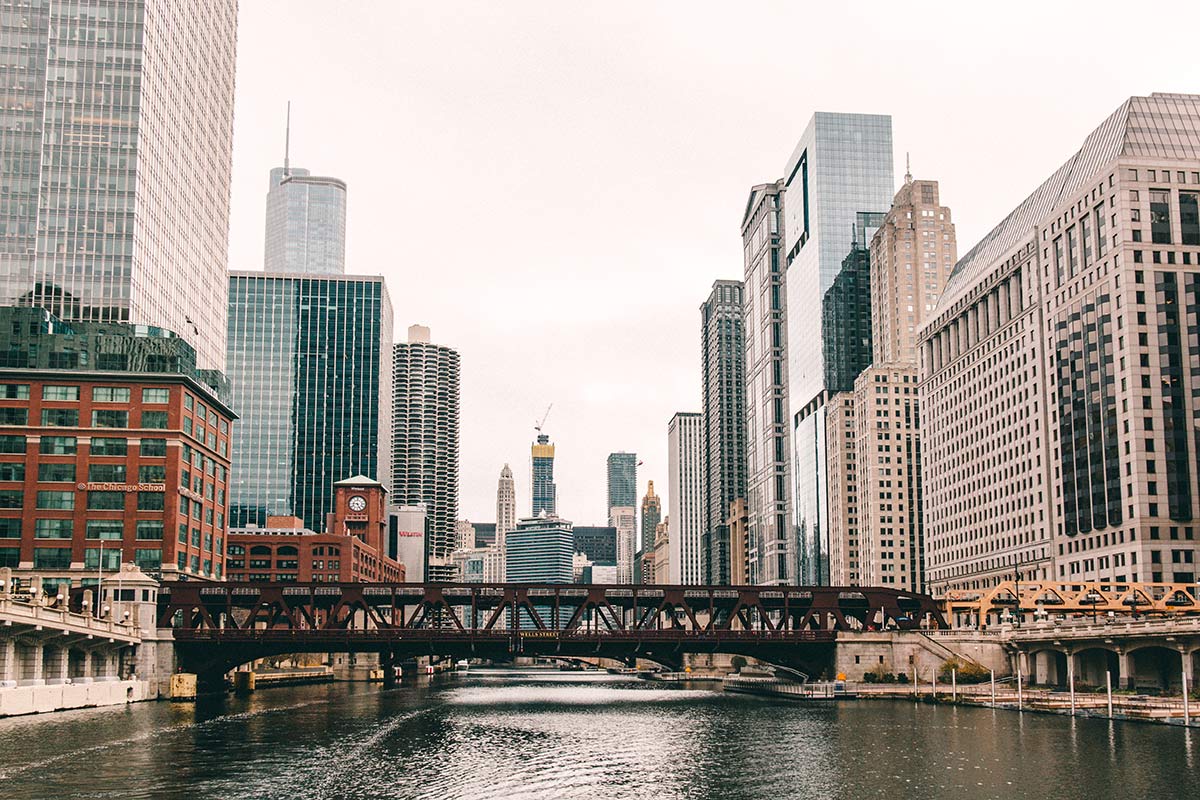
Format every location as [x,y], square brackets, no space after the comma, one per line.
[219,626]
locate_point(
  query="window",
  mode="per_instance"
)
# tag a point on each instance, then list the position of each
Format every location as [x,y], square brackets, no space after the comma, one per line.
[108,446]
[151,501]
[183,533]
[156,395]
[154,447]
[154,419]
[12,471]
[56,472]
[106,501]
[110,394]
[187,425]
[149,529]
[10,556]
[64,501]
[1189,218]
[110,556]
[237,549]
[13,444]
[109,418]
[152,473]
[60,392]
[187,402]
[1160,216]
[52,528]
[51,558]
[202,412]
[10,527]
[14,416]
[57,446]
[61,417]
[148,559]
[14,391]
[12,498]
[106,473]
[105,529]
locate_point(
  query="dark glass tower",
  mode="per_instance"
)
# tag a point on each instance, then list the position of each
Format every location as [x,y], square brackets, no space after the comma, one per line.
[846,312]
[622,480]
[545,493]
[723,378]
[309,360]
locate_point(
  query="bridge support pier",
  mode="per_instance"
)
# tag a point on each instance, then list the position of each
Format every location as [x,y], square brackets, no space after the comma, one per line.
[1125,669]
[387,662]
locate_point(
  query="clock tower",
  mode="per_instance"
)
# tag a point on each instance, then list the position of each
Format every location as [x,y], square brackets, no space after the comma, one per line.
[360,510]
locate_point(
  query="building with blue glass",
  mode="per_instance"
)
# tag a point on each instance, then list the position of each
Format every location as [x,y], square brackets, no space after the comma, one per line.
[306,223]
[842,165]
[309,360]
[540,550]
[545,493]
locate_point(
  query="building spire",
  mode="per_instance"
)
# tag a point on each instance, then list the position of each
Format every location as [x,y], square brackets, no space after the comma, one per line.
[907,169]
[287,140]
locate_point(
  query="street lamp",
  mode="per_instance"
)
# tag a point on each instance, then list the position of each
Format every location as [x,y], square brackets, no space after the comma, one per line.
[1093,599]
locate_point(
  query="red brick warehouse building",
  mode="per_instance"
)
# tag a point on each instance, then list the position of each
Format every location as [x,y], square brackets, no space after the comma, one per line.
[113,447]
[352,548]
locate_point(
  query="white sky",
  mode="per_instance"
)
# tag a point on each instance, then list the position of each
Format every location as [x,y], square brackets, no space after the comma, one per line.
[552,187]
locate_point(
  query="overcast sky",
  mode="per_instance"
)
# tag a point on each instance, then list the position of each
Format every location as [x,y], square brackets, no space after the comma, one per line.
[553,187]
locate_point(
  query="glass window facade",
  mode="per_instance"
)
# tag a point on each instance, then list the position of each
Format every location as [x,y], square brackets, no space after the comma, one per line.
[306,223]
[310,364]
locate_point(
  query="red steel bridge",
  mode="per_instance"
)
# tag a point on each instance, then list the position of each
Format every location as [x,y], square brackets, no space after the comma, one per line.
[219,626]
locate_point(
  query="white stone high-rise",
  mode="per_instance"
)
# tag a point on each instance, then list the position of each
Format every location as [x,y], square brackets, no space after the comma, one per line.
[116,181]
[624,519]
[686,517]
[506,504]
[425,404]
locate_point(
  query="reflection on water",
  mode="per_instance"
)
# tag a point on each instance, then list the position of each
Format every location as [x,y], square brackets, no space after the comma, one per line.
[541,733]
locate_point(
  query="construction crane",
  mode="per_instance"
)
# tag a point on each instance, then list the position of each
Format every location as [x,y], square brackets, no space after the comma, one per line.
[537,426]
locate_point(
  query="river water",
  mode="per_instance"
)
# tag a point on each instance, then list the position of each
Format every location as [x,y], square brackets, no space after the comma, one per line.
[546,734]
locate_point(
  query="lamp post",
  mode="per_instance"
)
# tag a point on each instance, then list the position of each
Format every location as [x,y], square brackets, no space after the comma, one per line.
[1093,599]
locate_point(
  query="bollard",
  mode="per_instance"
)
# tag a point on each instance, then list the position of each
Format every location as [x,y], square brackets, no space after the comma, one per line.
[954,686]
[1020,695]
[993,673]
[1071,680]
[1187,709]
[1108,690]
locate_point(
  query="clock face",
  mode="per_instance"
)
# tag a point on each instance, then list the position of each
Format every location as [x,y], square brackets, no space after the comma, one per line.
[357,503]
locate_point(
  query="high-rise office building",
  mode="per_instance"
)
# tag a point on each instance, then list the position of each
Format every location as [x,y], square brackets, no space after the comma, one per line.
[306,223]
[623,518]
[846,313]
[1057,421]
[723,384]
[117,153]
[685,496]
[506,504]
[651,516]
[662,554]
[622,479]
[425,438]
[310,364]
[912,254]
[598,543]
[545,493]
[540,550]
[843,516]
[768,430]
[841,166]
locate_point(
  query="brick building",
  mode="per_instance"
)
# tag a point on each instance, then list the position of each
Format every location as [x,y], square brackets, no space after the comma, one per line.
[353,546]
[113,448]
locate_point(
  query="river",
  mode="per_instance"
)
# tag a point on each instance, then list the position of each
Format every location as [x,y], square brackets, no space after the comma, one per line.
[546,734]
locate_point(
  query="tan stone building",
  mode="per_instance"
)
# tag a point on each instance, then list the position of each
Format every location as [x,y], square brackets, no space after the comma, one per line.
[1057,370]
[912,255]
[841,453]
[662,552]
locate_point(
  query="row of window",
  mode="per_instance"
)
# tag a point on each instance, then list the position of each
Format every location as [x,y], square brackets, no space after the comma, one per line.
[64,500]
[97,473]
[69,446]
[147,558]
[100,394]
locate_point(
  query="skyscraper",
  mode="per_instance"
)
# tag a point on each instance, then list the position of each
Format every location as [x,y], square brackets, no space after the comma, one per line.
[545,494]
[912,254]
[651,516]
[306,223]
[540,550]
[622,479]
[842,165]
[624,519]
[723,382]
[768,430]
[116,180]
[846,313]
[1057,366]
[685,444]
[310,365]
[425,439]
[506,504]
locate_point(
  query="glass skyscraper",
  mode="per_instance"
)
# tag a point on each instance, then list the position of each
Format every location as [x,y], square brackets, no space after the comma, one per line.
[841,166]
[545,493]
[622,480]
[117,152]
[306,223]
[311,370]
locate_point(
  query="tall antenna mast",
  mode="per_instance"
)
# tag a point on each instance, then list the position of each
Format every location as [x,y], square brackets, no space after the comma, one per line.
[287,140]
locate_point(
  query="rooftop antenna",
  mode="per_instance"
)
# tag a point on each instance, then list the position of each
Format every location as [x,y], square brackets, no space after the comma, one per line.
[287,140]
[907,169]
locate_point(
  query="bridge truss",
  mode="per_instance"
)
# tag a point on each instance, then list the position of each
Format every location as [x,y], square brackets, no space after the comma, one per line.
[225,624]
[1085,597]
